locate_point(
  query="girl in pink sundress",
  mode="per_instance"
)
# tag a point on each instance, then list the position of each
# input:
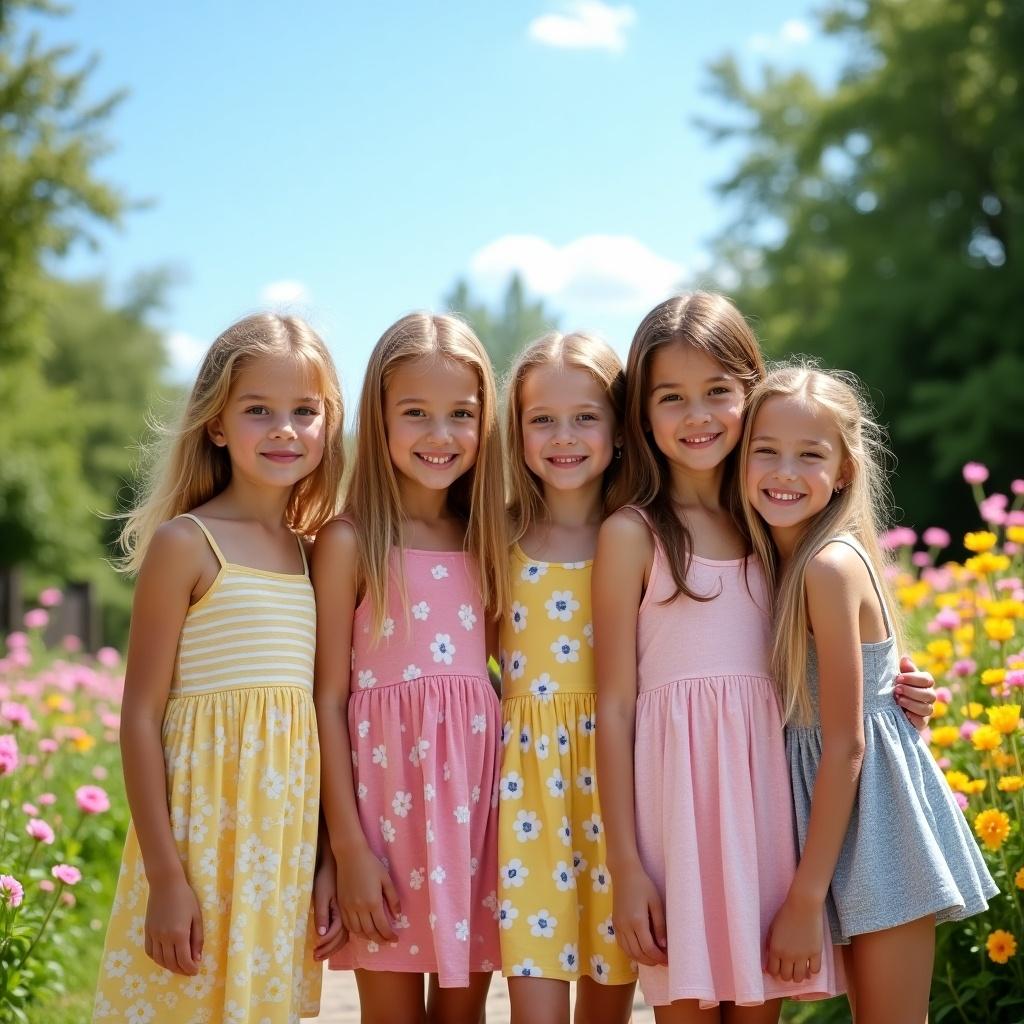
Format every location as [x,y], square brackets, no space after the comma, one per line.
[409,584]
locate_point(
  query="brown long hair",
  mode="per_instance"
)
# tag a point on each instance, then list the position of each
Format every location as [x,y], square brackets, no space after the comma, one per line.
[711,324]
[477,497]
[584,351]
[858,510]
[188,469]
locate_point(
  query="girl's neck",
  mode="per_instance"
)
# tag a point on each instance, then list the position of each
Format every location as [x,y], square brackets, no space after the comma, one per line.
[583,506]
[700,489]
[242,499]
[424,504]
[786,540]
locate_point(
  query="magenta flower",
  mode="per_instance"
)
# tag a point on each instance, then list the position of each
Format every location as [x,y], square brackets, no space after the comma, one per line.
[993,509]
[20,657]
[15,713]
[1015,678]
[898,537]
[46,885]
[975,473]
[108,657]
[92,799]
[936,537]
[921,559]
[16,641]
[40,831]
[71,643]
[50,597]
[67,874]
[11,891]
[1017,487]
[944,694]
[8,754]
[99,773]
[947,619]
[968,728]
[30,809]
[1015,518]
[961,801]
[944,763]
[46,799]
[48,746]
[37,618]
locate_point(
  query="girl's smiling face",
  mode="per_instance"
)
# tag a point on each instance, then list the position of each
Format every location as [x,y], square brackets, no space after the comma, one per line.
[694,407]
[568,426]
[795,462]
[432,418]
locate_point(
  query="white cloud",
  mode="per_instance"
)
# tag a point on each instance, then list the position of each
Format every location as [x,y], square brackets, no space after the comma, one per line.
[285,293]
[793,33]
[584,25]
[185,353]
[599,273]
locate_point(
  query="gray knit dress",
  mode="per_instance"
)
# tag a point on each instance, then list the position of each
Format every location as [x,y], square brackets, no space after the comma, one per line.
[908,850]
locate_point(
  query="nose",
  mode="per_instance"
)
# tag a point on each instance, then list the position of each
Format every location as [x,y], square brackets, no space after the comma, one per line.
[439,432]
[564,434]
[696,416]
[283,427]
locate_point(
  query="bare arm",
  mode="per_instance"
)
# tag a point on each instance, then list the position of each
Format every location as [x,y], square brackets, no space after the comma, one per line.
[363,883]
[171,569]
[625,550]
[837,582]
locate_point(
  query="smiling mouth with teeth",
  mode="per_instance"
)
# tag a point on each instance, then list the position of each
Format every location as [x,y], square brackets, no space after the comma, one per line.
[699,439]
[435,460]
[566,460]
[784,496]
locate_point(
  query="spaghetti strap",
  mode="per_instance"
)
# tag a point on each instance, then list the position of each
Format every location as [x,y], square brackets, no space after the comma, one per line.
[209,536]
[851,542]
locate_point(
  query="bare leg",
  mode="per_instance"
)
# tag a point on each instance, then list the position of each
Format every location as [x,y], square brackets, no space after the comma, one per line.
[687,1011]
[539,1000]
[767,1013]
[891,973]
[457,1005]
[386,996]
[603,1004]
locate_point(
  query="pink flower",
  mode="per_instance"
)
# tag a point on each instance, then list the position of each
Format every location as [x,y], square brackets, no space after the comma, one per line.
[48,746]
[975,473]
[1010,583]
[943,763]
[1014,678]
[993,509]
[71,643]
[947,619]
[108,657]
[99,773]
[936,537]
[16,641]
[961,801]
[68,899]
[21,657]
[11,891]
[898,537]
[1017,487]
[15,713]
[944,694]
[67,874]
[37,618]
[50,597]
[921,559]
[92,799]
[8,754]
[967,729]
[40,831]
[30,809]
[1015,518]
[46,885]
[46,799]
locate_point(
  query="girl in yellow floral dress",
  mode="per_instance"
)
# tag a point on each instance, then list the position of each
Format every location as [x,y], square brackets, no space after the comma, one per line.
[211,921]
[554,892]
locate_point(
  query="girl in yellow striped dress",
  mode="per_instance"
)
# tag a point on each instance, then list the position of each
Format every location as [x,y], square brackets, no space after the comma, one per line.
[554,892]
[212,918]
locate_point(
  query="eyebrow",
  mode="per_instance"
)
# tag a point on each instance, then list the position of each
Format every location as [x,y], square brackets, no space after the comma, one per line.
[807,441]
[540,406]
[425,401]
[718,379]
[264,398]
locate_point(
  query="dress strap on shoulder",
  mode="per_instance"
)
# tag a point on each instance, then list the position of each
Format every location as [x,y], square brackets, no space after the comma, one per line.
[209,537]
[852,542]
[302,552]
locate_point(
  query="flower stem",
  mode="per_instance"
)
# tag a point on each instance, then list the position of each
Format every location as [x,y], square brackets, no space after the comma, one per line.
[42,927]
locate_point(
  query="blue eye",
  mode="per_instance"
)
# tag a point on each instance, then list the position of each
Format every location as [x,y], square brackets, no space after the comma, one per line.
[257,410]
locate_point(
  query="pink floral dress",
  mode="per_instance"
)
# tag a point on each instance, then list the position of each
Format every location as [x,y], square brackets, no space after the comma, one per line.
[425,728]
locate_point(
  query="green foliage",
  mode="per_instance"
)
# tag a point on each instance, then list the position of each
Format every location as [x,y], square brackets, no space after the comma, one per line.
[880,221]
[507,329]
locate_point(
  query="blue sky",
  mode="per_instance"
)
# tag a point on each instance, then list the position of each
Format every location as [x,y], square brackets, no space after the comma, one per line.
[350,161]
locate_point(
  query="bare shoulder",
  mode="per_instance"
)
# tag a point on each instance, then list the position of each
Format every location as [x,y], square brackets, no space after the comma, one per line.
[338,538]
[180,541]
[626,526]
[836,571]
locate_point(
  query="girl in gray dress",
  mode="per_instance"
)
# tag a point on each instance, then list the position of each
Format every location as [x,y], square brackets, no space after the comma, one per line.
[884,846]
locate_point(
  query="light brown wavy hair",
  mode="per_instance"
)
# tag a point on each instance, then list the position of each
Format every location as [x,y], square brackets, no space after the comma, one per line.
[187,469]
[711,324]
[857,510]
[477,498]
[579,349]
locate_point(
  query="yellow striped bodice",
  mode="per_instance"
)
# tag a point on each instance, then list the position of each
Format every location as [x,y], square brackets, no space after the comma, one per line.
[251,628]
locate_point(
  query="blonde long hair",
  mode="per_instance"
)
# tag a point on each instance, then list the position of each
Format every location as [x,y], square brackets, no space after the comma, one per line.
[188,469]
[858,510]
[477,497]
[579,349]
[711,324]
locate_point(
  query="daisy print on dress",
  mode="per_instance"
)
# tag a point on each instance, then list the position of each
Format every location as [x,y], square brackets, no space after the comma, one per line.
[543,687]
[514,874]
[565,649]
[519,614]
[533,572]
[542,924]
[442,648]
[561,605]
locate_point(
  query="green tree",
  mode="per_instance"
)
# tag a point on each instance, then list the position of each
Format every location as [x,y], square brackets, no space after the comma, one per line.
[505,330]
[880,224]
[50,140]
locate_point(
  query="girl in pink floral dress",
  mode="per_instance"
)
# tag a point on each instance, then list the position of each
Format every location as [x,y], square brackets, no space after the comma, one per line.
[409,584]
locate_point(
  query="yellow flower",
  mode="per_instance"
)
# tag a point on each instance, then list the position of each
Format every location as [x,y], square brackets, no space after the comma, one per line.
[983,565]
[1018,879]
[999,629]
[958,781]
[945,735]
[947,600]
[913,595]
[1004,717]
[984,738]
[980,541]
[1008,609]
[1016,534]
[1011,784]
[964,633]
[975,786]
[939,708]
[84,743]
[1002,760]
[1001,946]
[972,710]
[942,649]
[992,827]
[992,677]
